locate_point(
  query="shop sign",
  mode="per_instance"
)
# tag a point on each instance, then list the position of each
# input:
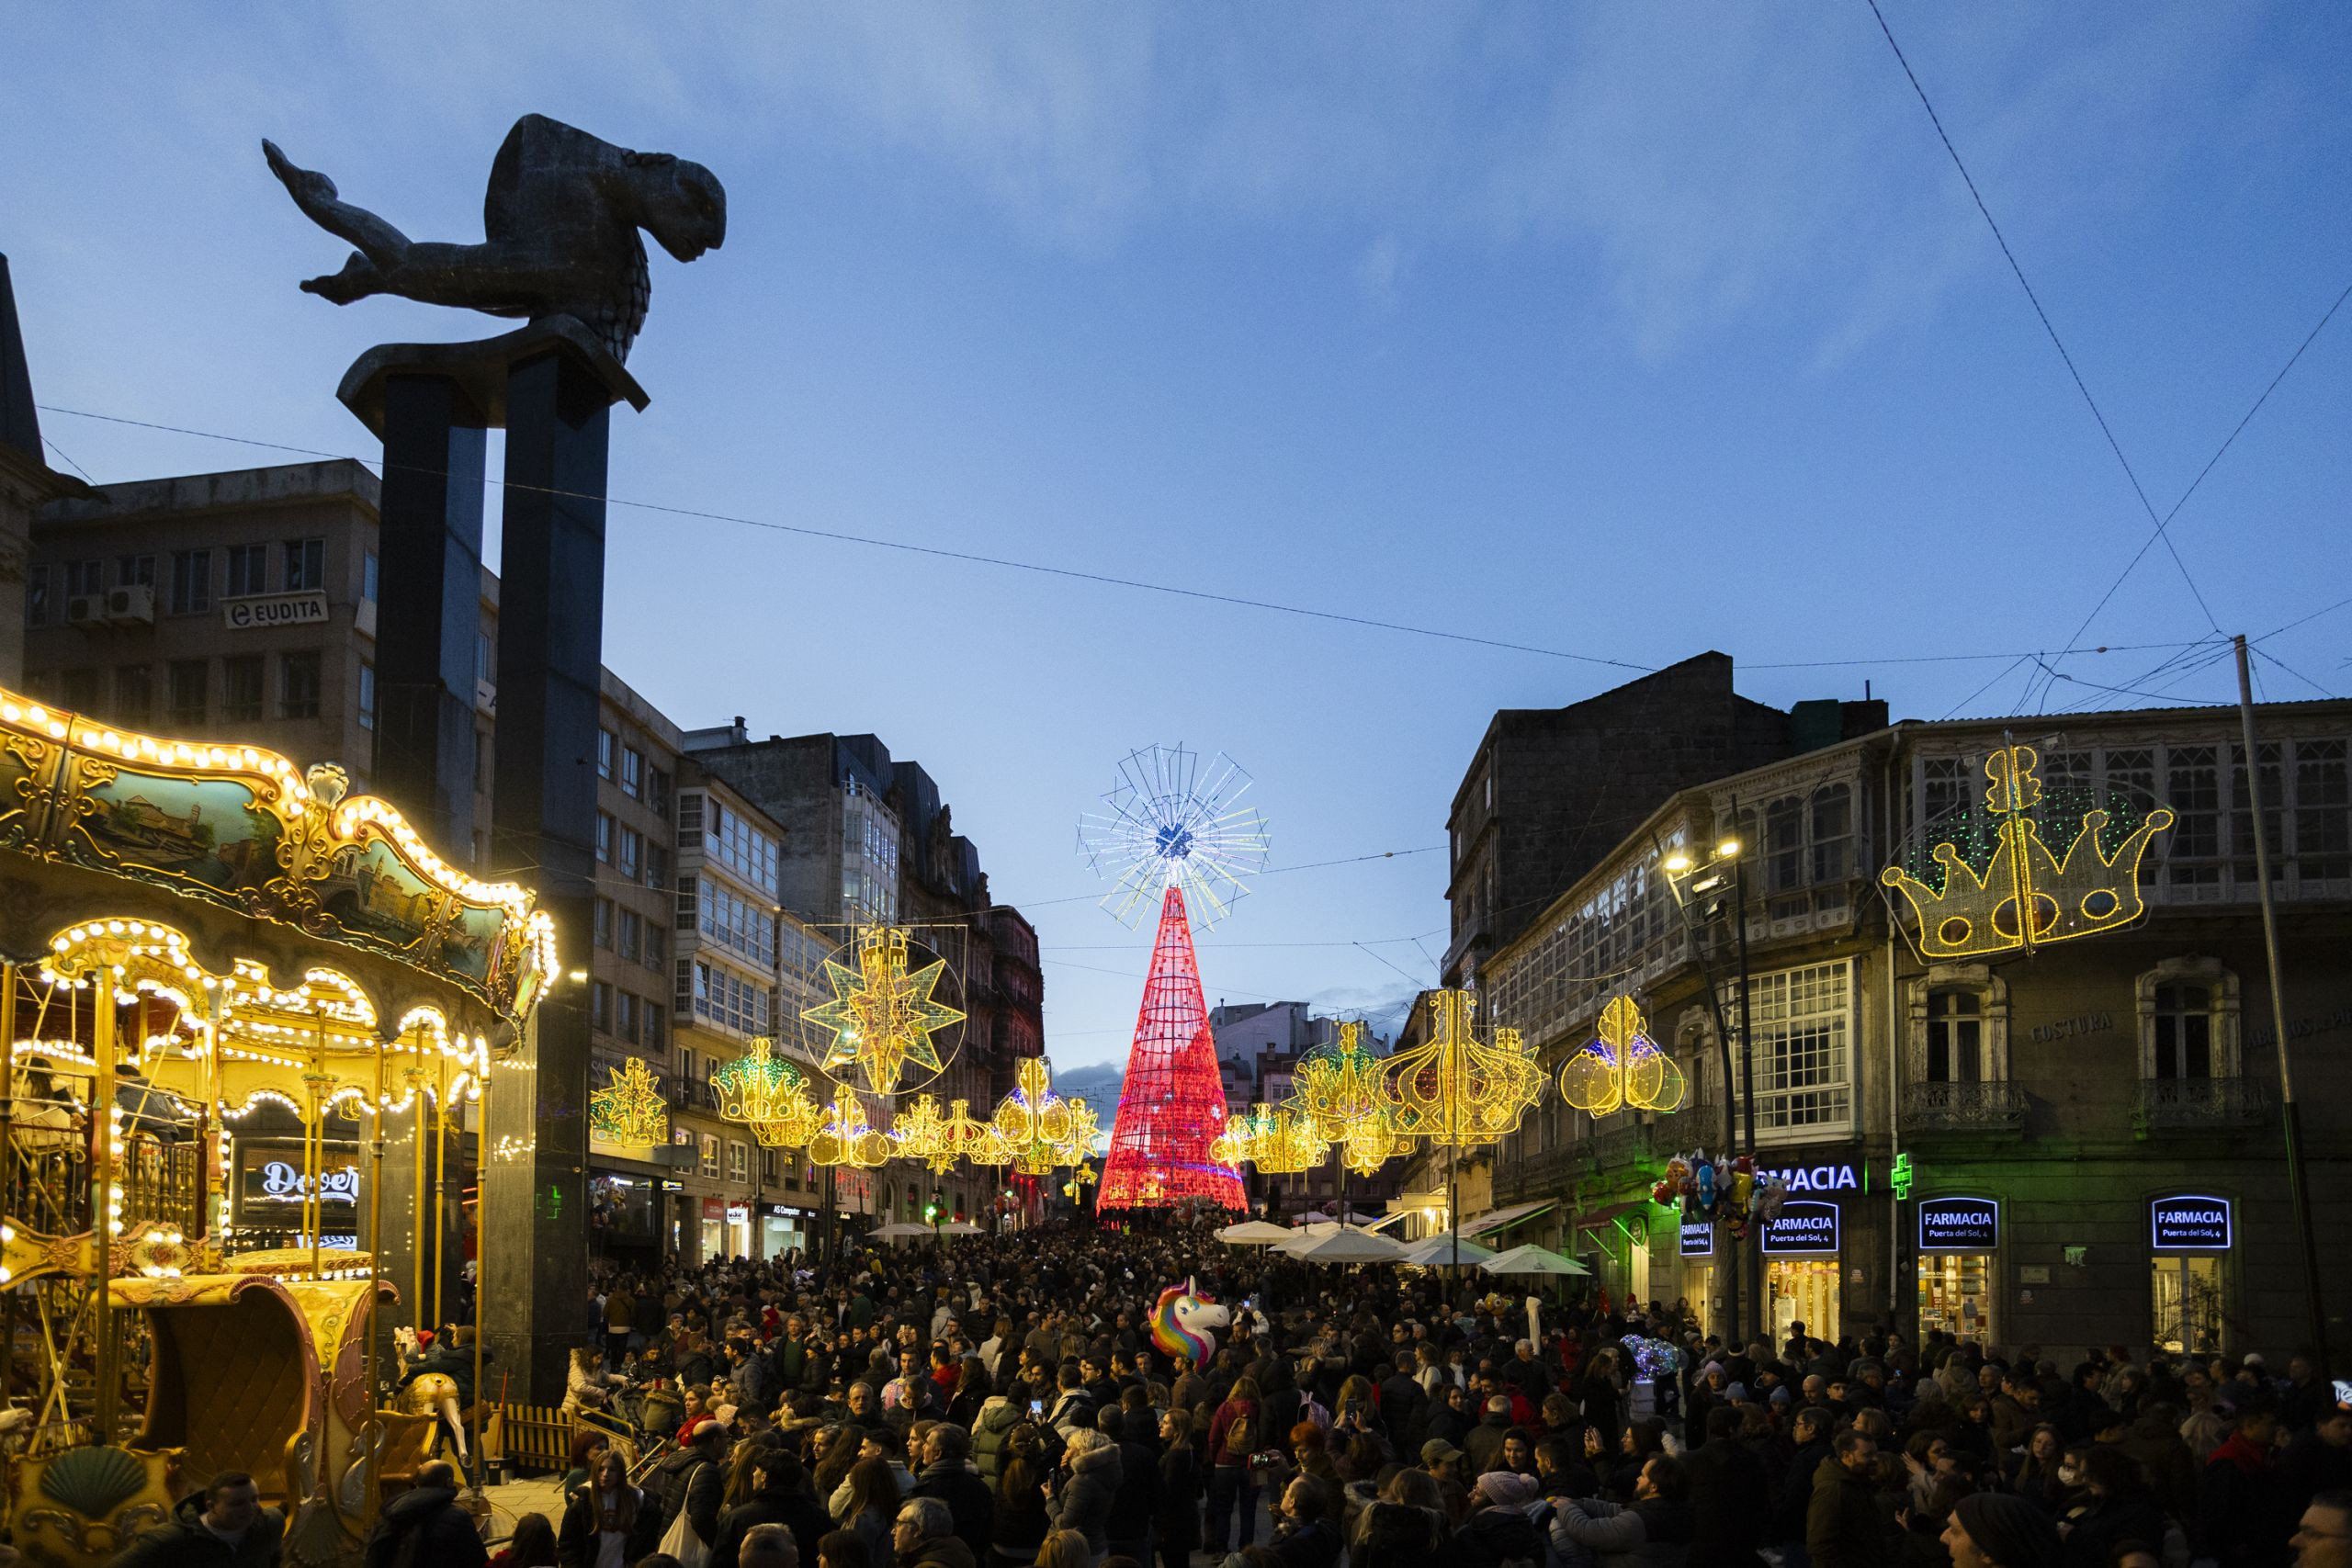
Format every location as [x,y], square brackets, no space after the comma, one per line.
[738,1214]
[267,1177]
[1698,1238]
[670,1184]
[1802,1229]
[1839,1178]
[254,611]
[714,1208]
[1959,1225]
[2189,1223]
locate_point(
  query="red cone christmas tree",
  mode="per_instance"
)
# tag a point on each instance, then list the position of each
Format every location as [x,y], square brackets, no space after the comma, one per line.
[1172,1106]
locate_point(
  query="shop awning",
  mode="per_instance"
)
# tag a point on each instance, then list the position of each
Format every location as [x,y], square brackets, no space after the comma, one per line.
[1615,1215]
[1495,1220]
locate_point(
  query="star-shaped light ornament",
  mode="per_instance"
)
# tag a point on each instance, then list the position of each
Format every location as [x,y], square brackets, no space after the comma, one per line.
[920,1133]
[883,1014]
[630,1112]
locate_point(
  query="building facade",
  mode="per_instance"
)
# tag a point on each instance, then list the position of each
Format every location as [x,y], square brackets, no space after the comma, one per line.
[2079,1144]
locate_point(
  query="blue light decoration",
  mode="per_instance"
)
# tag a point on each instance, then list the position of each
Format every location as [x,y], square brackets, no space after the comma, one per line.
[1654,1358]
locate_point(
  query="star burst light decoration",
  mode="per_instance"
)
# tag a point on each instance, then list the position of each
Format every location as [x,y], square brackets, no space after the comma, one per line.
[1623,1067]
[1172,822]
[1231,1148]
[883,1014]
[630,1112]
[767,1094]
[1459,1091]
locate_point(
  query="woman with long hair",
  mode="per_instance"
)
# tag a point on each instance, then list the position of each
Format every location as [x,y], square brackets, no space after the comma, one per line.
[971,1391]
[741,1481]
[1019,1524]
[836,1452]
[610,1523]
[1065,1549]
[1236,1434]
[1176,1516]
[872,1507]
[532,1546]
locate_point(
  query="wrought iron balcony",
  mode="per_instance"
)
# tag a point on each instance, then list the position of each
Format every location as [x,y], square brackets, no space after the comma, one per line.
[693,1094]
[2167,1105]
[1522,1178]
[1963,1108]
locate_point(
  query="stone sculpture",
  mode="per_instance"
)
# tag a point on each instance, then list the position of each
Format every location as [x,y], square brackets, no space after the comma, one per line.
[559,219]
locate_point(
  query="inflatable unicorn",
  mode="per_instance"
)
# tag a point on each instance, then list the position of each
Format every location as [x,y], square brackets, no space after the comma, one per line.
[1182,1321]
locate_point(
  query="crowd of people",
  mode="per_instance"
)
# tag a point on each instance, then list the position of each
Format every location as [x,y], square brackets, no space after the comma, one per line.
[999,1402]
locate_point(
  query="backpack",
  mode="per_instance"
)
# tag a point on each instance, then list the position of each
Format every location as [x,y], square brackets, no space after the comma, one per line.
[1241,1439]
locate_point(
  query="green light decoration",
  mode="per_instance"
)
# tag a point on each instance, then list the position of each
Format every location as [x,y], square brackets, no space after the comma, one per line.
[1902,1176]
[767,1094]
[630,1112]
[883,1014]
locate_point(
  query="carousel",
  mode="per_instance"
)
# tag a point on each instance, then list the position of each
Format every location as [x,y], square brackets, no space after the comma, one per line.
[252,1020]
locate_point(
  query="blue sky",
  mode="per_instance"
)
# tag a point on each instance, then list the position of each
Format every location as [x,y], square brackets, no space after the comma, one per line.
[1620,329]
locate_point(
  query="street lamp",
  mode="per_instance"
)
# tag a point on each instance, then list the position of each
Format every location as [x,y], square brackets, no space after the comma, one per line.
[1707,890]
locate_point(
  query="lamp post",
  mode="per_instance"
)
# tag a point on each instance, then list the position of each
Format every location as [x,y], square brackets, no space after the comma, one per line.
[1711,887]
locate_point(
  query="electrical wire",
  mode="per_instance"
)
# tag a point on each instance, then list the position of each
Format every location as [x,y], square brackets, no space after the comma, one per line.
[2274,658]
[2056,341]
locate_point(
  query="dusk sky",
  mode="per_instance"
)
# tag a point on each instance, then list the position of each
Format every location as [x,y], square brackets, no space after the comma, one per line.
[1616,331]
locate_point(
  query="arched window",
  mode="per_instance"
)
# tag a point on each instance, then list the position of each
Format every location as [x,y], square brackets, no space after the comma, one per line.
[2188,1021]
[1955,1036]
[1959,1026]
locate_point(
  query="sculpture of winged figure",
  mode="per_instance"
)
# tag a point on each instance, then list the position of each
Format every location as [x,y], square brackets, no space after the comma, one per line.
[559,222]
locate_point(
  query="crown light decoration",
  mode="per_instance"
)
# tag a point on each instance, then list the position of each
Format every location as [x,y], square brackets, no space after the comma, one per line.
[845,1138]
[1459,1091]
[769,1095]
[1343,1091]
[1033,1122]
[883,1015]
[920,1133]
[1281,1142]
[630,1112]
[2029,892]
[1624,1068]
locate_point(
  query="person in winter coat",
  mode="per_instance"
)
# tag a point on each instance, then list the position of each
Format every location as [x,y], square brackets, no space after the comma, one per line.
[780,1497]
[997,1419]
[1450,1418]
[1236,1434]
[224,1524]
[1020,1513]
[1303,1537]
[1082,1495]
[949,1475]
[691,1482]
[1176,1518]
[609,1521]
[423,1526]
[1499,1532]
[1654,1530]
[1992,1529]
[1128,1529]
[1484,1443]
[1731,1500]
[873,1512]
[923,1536]
[2242,1516]
[2122,1509]
[1406,1528]
[1811,1433]
[1843,1527]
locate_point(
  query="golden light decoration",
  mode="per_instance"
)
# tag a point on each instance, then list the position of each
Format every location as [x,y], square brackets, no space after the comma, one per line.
[1622,1068]
[967,1137]
[882,1016]
[769,1095]
[920,1133]
[2028,892]
[1366,1151]
[1341,1089]
[1281,1142]
[1032,1121]
[1231,1148]
[629,1112]
[1085,1128]
[1458,1091]
[1080,1178]
[846,1138]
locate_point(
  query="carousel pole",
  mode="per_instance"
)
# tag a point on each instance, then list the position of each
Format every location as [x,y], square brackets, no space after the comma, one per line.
[481,1260]
[216,1119]
[371,1450]
[8,1158]
[418,1313]
[314,1157]
[102,1224]
[440,1175]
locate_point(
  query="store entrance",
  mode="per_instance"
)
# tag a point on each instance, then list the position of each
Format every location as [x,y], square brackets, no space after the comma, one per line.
[2185,1296]
[1956,1294]
[1802,1290]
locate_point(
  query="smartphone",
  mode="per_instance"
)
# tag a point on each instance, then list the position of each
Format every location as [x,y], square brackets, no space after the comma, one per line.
[1037,1407]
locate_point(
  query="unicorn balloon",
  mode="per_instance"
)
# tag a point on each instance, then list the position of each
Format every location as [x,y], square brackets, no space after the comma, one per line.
[1182,1321]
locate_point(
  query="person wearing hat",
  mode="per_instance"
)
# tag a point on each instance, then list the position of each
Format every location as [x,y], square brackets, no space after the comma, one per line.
[1658,1518]
[1993,1529]
[1499,1529]
[1443,1462]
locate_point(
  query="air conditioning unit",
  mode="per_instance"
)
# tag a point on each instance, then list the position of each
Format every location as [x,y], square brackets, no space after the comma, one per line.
[85,609]
[131,604]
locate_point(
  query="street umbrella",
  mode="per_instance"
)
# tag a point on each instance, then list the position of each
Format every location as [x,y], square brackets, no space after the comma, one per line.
[903,1228]
[961,1227]
[1255,1233]
[1438,1251]
[1334,1244]
[1532,1259]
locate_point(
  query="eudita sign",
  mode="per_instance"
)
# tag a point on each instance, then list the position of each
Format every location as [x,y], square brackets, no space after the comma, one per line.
[1698,1238]
[1802,1228]
[1959,1225]
[256,610]
[2189,1224]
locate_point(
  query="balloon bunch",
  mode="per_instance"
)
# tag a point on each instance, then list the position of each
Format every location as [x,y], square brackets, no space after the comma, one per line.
[1729,1190]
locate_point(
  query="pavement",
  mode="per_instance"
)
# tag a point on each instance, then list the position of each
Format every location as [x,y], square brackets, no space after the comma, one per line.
[526,1495]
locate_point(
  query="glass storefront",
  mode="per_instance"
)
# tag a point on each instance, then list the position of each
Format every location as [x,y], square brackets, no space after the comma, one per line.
[1802,1290]
[1956,1295]
[2189,1238]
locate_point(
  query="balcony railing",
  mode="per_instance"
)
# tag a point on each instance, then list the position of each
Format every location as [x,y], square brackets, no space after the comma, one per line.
[1963,1108]
[1522,1178]
[2167,1105]
[693,1094]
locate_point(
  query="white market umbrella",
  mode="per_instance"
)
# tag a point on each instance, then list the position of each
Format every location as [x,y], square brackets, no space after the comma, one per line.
[1438,1251]
[903,1228]
[961,1227]
[1532,1259]
[1338,1245]
[1255,1233]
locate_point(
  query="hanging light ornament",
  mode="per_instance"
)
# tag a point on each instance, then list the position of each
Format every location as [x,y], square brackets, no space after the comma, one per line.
[1624,1068]
[1282,1142]
[767,1094]
[920,1133]
[846,1138]
[1343,1090]
[966,1137]
[1032,1121]
[1231,1148]
[1458,1091]
[883,1016]
[630,1112]
[1085,1132]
